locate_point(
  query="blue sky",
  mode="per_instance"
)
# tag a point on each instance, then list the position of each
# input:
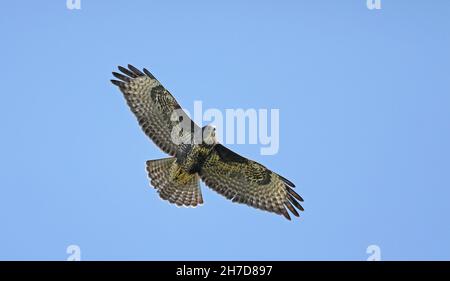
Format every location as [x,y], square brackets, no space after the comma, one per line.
[364,98]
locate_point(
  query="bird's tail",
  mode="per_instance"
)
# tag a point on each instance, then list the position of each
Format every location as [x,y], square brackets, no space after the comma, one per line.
[174,184]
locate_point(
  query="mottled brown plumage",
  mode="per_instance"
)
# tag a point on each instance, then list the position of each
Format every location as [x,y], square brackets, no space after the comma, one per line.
[177,178]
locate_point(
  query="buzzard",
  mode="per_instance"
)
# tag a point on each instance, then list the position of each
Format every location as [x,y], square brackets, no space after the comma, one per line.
[177,179]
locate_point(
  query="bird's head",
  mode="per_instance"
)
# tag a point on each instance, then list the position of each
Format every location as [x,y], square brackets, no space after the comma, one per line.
[209,134]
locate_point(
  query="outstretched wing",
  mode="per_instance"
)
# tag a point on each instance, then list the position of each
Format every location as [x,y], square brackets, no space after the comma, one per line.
[247,182]
[153,106]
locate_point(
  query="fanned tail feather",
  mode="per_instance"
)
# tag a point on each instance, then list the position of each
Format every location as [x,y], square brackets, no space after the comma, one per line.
[173,184]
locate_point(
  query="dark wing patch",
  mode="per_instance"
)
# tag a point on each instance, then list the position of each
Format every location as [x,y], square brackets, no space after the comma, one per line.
[248,182]
[152,105]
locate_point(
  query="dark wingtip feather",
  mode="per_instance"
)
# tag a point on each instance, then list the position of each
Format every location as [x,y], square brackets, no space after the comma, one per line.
[119,84]
[285,214]
[148,73]
[292,209]
[121,77]
[295,203]
[127,72]
[135,70]
[293,193]
[288,182]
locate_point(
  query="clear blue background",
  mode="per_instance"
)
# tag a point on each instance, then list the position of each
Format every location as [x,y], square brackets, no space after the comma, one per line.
[364,97]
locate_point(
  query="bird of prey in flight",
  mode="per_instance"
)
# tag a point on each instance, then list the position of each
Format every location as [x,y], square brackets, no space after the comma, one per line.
[177,178]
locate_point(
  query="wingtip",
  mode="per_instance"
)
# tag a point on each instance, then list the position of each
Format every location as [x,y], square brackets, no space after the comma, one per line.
[288,182]
[117,83]
[286,214]
[292,209]
[148,73]
[135,70]
[121,77]
[295,195]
